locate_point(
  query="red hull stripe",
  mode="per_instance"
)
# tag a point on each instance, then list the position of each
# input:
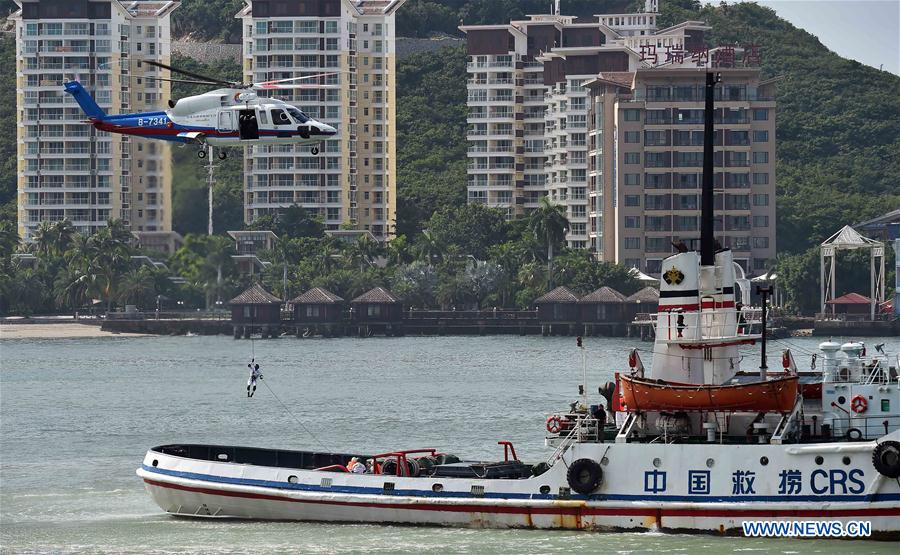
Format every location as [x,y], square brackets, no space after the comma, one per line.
[583,511]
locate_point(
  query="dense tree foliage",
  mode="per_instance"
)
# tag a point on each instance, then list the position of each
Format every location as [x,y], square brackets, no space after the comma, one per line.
[439,270]
[431,136]
[208,20]
[8,156]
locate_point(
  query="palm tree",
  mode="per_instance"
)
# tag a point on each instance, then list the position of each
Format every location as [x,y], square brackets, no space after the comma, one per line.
[326,254]
[42,239]
[429,247]
[9,238]
[137,286]
[398,250]
[218,254]
[71,288]
[549,225]
[284,252]
[63,233]
[107,259]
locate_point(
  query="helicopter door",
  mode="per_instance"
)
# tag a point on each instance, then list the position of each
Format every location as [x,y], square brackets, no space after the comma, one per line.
[248,125]
[226,121]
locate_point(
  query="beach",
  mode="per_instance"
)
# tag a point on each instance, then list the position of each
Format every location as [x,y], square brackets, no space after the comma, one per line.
[66,330]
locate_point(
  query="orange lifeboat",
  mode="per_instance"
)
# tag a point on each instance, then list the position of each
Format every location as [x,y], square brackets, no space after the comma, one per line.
[778,395]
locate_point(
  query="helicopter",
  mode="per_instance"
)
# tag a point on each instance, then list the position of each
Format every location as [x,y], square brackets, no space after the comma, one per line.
[225,117]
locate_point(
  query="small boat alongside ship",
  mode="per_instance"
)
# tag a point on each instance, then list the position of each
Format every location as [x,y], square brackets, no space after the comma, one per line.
[691,444]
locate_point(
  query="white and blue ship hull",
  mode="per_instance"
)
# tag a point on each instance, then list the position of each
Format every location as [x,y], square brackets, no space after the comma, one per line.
[703,488]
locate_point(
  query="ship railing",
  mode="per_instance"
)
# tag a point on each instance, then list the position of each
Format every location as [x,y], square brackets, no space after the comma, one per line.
[876,370]
[677,326]
[879,372]
[788,423]
[861,427]
[585,428]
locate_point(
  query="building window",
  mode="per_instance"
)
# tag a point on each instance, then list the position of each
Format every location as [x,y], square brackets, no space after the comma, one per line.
[632,179]
[760,114]
[632,136]
[760,242]
[760,199]
[632,157]
[760,136]
[632,222]
[632,114]
[760,157]
[760,179]
[760,221]
[632,200]
[633,243]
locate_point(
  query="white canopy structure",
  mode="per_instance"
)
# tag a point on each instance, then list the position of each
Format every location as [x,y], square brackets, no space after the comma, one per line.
[642,277]
[850,239]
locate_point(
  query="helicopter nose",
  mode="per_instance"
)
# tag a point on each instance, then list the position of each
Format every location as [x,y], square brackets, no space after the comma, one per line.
[328,130]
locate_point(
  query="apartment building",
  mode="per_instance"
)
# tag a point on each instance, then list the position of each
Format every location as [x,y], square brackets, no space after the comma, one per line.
[646,138]
[534,130]
[66,168]
[352,182]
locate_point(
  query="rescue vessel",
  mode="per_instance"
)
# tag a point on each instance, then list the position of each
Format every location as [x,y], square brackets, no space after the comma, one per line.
[692,444]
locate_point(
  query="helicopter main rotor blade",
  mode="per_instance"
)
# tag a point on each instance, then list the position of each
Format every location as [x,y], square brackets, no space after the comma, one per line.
[287,87]
[205,78]
[268,84]
[183,81]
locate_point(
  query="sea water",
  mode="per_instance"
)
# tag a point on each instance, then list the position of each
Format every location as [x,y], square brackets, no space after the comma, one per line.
[77,415]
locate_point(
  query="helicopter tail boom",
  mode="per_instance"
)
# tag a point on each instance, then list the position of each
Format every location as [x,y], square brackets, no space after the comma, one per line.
[85,100]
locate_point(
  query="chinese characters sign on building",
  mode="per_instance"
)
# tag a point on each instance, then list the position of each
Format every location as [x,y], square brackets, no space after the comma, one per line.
[726,55]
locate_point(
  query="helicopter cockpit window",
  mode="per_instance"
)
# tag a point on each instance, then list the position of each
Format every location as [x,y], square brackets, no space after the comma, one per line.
[298,115]
[279,117]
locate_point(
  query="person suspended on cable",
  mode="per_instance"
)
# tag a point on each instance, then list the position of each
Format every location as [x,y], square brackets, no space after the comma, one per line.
[255,374]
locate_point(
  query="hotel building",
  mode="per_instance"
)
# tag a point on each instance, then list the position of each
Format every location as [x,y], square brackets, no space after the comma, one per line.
[548,102]
[66,168]
[352,182]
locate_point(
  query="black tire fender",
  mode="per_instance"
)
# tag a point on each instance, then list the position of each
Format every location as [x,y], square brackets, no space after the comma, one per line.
[886,458]
[585,476]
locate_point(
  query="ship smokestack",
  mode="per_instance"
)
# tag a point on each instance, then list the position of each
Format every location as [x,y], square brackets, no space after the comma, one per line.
[707,229]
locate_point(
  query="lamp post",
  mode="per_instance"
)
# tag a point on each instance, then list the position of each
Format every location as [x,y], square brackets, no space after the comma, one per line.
[764,291]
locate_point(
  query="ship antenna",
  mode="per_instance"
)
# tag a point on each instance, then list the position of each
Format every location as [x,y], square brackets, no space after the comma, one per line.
[707,217]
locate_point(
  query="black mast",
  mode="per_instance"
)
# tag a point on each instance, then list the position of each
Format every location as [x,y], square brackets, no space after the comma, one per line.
[707,230]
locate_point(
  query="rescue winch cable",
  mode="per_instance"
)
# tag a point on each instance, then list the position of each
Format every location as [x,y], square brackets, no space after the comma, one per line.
[286,409]
[302,425]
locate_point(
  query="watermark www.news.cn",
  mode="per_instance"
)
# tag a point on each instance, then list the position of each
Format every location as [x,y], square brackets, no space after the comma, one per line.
[807,529]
